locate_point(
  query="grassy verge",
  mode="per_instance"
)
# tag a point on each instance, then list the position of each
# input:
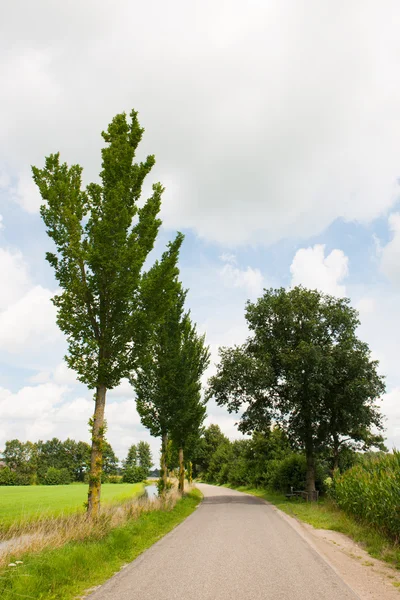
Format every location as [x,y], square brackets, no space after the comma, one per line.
[325,515]
[63,573]
[26,504]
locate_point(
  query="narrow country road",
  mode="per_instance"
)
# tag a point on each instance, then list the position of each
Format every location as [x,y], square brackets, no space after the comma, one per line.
[233,547]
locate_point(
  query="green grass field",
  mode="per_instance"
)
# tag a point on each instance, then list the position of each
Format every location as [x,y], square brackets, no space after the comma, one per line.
[27,503]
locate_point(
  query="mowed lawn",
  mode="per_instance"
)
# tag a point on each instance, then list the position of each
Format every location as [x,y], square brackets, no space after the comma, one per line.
[28,503]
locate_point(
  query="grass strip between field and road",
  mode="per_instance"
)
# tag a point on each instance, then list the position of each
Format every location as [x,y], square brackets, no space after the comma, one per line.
[324,514]
[67,572]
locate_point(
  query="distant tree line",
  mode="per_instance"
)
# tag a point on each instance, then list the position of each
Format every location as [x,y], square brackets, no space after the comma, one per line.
[60,463]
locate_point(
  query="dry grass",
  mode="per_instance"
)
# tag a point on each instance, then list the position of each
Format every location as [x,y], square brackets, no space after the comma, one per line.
[55,532]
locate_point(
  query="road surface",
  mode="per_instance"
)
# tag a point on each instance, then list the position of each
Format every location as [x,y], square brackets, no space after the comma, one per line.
[233,547]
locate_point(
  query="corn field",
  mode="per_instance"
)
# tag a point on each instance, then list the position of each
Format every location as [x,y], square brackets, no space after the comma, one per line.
[371,492]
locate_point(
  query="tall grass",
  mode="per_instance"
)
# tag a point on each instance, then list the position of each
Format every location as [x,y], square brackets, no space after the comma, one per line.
[371,492]
[56,531]
[65,573]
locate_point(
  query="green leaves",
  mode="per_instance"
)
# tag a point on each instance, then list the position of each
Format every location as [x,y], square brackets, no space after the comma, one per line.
[304,367]
[102,239]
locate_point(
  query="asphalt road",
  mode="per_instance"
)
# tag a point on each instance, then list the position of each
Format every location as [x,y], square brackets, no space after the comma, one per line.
[233,547]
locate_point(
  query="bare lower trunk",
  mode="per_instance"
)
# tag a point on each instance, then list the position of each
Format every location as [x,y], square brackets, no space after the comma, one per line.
[181,472]
[310,476]
[335,453]
[164,470]
[190,473]
[96,457]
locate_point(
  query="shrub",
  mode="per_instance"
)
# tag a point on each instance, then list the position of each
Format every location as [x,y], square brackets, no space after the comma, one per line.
[134,475]
[7,477]
[57,476]
[115,479]
[371,492]
[290,472]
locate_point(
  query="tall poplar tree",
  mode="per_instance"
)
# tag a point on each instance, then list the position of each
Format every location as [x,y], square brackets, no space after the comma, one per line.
[107,305]
[168,384]
[156,381]
[190,409]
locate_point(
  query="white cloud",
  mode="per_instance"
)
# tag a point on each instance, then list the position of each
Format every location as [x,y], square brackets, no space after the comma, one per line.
[1,222]
[123,390]
[249,279]
[390,407]
[46,410]
[366,306]
[390,254]
[27,194]
[30,322]
[313,270]
[63,375]
[30,402]
[268,128]
[14,277]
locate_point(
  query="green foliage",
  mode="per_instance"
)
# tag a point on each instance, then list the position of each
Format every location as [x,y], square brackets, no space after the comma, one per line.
[211,439]
[134,475]
[303,367]
[110,460]
[21,458]
[218,470]
[6,476]
[371,492]
[57,477]
[108,305]
[291,471]
[162,487]
[168,382]
[115,479]
[102,239]
[144,457]
[131,459]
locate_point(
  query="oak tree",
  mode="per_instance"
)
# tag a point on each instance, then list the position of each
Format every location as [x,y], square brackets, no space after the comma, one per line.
[304,368]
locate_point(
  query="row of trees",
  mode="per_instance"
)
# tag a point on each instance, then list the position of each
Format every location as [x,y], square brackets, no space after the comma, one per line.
[137,465]
[267,459]
[168,385]
[303,368]
[112,310]
[56,462]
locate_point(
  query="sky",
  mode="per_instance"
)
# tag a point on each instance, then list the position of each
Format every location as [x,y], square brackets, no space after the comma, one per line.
[276,130]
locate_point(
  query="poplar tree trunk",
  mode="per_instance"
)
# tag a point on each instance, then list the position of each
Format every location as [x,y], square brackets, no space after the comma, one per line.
[335,453]
[96,457]
[181,472]
[310,475]
[164,444]
[190,473]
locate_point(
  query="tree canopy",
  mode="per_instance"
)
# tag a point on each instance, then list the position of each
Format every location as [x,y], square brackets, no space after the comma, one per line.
[304,368]
[108,304]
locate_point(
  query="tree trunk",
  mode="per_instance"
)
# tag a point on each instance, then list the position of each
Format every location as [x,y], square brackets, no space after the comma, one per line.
[335,454]
[190,473]
[164,471]
[310,474]
[96,457]
[181,472]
